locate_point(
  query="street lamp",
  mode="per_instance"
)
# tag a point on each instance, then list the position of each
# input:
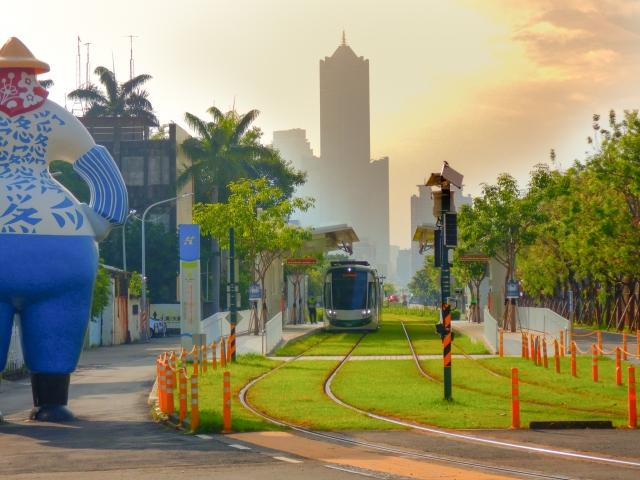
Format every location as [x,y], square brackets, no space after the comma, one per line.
[144,337]
[124,247]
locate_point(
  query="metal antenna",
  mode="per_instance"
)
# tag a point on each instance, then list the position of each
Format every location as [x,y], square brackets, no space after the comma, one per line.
[131,37]
[78,68]
[344,39]
[87,78]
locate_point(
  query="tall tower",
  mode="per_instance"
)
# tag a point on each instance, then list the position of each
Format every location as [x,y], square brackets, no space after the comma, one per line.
[344,107]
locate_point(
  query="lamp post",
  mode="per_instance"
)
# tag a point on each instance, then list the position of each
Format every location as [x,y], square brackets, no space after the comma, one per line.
[124,246]
[144,337]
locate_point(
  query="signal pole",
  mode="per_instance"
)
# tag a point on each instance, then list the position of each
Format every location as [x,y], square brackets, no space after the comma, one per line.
[232,297]
[445,292]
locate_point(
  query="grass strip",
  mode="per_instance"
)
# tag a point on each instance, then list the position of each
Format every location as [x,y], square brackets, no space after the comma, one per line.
[338,344]
[402,392]
[426,341]
[431,317]
[295,394]
[389,339]
[296,347]
[210,390]
[470,374]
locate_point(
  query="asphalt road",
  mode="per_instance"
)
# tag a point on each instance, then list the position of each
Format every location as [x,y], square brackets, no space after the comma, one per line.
[115,437]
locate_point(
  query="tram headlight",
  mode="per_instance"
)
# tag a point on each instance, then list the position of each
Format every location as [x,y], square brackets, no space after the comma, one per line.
[369,311]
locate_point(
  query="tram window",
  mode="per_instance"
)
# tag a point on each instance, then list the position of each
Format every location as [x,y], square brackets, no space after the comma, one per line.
[328,299]
[349,290]
[372,295]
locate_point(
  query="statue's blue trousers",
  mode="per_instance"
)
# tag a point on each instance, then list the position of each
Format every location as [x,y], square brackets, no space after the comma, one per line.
[48,280]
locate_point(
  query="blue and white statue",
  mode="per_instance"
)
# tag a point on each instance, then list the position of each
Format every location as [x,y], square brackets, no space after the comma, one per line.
[48,239]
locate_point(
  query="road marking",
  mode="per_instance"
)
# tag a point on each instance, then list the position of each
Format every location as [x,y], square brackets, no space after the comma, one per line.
[351,471]
[205,437]
[286,459]
[239,447]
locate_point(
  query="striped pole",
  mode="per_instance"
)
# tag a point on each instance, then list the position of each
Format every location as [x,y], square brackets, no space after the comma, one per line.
[624,345]
[172,373]
[226,405]
[633,416]
[526,346]
[538,351]
[618,367]
[183,394]
[638,341]
[501,343]
[159,376]
[194,401]
[562,344]
[446,350]
[214,352]
[556,355]
[544,353]
[229,349]
[574,372]
[594,363]
[232,339]
[600,342]
[524,349]
[515,400]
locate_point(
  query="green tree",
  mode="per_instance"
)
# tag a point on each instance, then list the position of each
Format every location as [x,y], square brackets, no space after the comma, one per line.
[101,291]
[389,289]
[258,212]
[70,180]
[224,150]
[126,99]
[424,283]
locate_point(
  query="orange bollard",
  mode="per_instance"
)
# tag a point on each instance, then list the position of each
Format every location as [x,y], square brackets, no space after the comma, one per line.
[524,348]
[594,364]
[195,360]
[618,367]
[159,376]
[183,394]
[638,341]
[539,352]
[562,344]
[170,400]
[214,362]
[204,359]
[574,372]
[533,349]
[162,387]
[194,401]
[624,345]
[501,343]
[226,405]
[223,353]
[544,353]
[556,355]
[600,342]
[515,400]
[633,416]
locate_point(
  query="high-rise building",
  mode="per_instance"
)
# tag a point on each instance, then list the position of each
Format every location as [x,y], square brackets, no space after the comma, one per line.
[404,265]
[293,146]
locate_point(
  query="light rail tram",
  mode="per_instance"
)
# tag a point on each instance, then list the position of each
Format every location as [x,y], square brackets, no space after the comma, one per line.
[352,297]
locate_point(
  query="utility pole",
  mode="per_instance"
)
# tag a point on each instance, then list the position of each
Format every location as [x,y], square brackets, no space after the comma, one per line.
[232,293]
[445,293]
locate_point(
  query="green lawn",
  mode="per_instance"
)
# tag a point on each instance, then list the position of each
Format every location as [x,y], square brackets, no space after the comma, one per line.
[210,386]
[336,344]
[402,392]
[389,339]
[296,347]
[295,394]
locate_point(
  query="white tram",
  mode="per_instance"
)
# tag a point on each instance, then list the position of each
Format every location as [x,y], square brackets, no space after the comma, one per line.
[352,299]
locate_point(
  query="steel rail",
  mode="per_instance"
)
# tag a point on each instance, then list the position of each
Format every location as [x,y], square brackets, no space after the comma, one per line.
[326,436]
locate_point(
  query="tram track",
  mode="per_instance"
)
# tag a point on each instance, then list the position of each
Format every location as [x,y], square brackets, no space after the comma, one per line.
[412,454]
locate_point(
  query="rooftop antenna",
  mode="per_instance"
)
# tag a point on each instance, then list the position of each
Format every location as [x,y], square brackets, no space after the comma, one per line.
[344,39]
[78,67]
[78,107]
[88,67]
[131,37]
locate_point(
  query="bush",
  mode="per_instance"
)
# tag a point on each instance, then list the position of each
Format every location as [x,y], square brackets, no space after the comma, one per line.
[455,314]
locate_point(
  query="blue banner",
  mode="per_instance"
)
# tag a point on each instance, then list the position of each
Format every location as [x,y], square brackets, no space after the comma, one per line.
[189,243]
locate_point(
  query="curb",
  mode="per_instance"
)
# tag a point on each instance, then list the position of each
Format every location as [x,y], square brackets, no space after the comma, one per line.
[306,334]
[479,337]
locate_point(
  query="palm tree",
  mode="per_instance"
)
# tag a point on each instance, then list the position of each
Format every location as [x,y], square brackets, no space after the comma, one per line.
[118,99]
[46,84]
[225,149]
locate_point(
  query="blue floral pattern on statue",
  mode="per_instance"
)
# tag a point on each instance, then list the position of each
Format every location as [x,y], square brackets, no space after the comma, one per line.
[31,201]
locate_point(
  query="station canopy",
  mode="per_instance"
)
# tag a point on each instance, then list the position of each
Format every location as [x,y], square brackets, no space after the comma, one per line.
[327,239]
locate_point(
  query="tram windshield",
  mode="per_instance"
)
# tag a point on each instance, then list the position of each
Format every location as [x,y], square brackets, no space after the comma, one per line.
[349,289]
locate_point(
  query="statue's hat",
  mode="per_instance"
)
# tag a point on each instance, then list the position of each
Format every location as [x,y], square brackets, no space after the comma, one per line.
[15,54]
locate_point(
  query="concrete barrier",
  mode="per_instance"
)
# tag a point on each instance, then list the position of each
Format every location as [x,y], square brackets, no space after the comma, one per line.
[543,320]
[491,330]
[216,326]
[273,333]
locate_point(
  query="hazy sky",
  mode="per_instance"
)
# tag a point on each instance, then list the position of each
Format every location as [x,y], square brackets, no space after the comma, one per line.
[488,85]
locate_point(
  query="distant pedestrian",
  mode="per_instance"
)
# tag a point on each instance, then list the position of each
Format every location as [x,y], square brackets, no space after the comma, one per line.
[311,306]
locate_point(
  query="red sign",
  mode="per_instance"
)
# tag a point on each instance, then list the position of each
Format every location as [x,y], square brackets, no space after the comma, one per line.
[404,297]
[302,261]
